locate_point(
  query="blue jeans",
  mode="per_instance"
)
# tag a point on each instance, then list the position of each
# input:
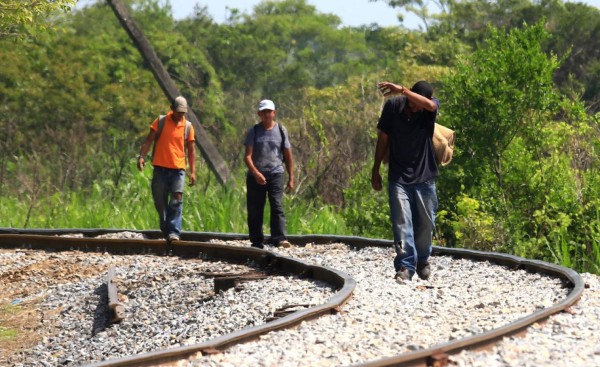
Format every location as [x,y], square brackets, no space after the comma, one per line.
[256,196]
[166,182]
[412,211]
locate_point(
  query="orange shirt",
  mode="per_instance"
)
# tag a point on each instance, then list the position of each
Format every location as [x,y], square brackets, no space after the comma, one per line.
[169,150]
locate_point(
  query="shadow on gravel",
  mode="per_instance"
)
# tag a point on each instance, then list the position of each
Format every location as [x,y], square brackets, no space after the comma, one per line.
[101,314]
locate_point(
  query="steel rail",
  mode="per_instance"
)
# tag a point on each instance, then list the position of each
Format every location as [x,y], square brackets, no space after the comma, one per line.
[436,355]
[51,240]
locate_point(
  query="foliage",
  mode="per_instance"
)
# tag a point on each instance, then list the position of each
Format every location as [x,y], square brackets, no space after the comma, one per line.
[208,207]
[516,156]
[76,104]
[574,28]
[367,211]
[17,16]
[283,46]
[330,149]
[574,34]
[474,227]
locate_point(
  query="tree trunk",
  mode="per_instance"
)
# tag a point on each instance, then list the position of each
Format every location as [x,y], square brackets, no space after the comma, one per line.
[203,141]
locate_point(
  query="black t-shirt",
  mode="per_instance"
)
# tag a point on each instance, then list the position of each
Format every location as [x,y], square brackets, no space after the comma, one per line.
[412,157]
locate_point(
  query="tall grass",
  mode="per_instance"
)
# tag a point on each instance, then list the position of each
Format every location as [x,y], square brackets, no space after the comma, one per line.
[207,208]
[593,256]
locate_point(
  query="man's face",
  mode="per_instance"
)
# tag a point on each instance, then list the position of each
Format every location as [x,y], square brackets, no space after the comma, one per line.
[266,115]
[177,116]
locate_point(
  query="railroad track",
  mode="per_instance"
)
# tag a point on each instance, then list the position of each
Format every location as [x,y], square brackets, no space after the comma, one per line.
[194,245]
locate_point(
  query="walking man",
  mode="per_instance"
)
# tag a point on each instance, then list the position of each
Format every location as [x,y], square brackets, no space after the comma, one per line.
[267,149]
[171,135]
[406,128]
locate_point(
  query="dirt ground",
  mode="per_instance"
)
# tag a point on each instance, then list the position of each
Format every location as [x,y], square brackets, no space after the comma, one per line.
[21,321]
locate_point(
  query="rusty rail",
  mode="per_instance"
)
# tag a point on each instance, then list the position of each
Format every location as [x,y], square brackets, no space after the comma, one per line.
[273,263]
[436,356]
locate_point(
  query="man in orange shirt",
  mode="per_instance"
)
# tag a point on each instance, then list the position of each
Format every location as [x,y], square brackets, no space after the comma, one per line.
[171,134]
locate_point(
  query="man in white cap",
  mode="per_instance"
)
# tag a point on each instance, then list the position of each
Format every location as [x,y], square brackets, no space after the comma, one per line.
[267,149]
[172,135]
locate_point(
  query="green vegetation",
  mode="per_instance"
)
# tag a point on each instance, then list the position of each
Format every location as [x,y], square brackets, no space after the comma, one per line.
[7,334]
[518,158]
[517,83]
[208,208]
[21,17]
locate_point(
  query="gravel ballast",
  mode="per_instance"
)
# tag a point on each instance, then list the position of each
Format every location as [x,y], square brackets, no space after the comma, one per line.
[169,303]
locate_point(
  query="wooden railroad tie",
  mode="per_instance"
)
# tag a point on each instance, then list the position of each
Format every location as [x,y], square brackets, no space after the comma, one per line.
[115,308]
[225,281]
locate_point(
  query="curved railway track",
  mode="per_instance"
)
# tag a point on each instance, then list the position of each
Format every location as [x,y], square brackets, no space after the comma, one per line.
[197,244]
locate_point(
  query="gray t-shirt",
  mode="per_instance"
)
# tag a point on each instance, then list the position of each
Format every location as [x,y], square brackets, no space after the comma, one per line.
[266,147]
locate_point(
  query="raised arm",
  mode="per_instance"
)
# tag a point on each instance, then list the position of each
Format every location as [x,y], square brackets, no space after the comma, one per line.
[420,101]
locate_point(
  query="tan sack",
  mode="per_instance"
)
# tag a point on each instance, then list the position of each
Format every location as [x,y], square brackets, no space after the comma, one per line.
[443,144]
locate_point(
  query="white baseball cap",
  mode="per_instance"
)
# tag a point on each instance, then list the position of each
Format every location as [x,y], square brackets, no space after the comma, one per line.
[266,104]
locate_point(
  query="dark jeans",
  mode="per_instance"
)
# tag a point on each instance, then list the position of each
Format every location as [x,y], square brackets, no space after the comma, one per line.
[255,200]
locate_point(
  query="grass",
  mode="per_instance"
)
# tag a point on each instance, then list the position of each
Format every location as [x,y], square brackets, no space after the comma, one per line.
[207,208]
[18,329]
[7,334]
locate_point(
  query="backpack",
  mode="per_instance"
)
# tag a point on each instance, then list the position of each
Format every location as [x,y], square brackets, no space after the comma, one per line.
[282,138]
[161,125]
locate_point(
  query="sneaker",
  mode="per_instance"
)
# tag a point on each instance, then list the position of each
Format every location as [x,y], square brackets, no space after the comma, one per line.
[403,274]
[424,270]
[172,237]
[284,244]
[257,245]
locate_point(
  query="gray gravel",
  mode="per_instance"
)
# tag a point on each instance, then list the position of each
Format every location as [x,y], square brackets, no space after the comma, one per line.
[168,304]
[567,339]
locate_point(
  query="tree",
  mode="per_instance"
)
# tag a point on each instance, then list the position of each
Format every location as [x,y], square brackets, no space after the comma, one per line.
[526,158]
[16,14]
[574,33]
[281,47]
[495,96]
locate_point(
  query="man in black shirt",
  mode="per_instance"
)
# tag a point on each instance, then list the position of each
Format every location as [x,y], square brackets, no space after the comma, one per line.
[406,128]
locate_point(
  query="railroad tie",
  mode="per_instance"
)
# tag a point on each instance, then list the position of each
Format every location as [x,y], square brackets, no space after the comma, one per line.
[223,283]
[115,308]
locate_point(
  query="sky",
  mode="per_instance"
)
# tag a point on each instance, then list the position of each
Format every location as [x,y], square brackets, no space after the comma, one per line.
[352,12]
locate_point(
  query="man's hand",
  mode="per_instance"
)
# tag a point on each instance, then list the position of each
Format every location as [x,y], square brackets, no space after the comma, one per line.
[260,179]
[388,88]
[290,186]
[192,179]
[376,181]
[141,163]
